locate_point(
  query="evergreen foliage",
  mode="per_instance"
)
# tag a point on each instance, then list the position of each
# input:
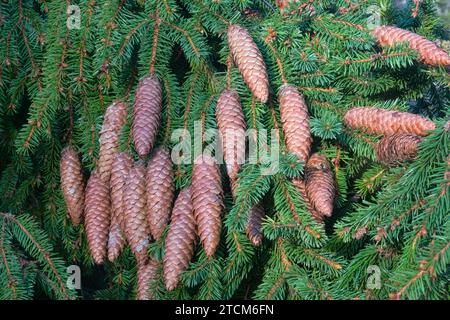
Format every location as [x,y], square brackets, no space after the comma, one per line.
[55,86]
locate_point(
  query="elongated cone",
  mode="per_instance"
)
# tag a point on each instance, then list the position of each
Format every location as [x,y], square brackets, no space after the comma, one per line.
[295,120]
[119,175]
[249,61]
[146,114]
[397,148]
[429,52]
[254,224]
[136,229]
[301,187]
[320,185]
[180,241]
[387,122]
[231,124]
[160,189]
[97,210]
[115,118]
[122,164]
[72,184]
[207,200]
[146,274]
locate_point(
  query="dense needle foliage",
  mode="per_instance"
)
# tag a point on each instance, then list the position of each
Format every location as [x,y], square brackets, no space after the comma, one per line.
[56,83]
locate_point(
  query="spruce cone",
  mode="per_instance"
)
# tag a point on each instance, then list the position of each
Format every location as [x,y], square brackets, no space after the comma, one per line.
[119,175]
[231,123]
[115,118]
[147,114]
[98,210]
[320,186]
[207,200]
[387,122]
[136,229]
[72,184]
[254,224]
[301,187]
[146,274]
[429,52]
[179,246]
[397,148]
[160,189]
[249,61]
[295,121]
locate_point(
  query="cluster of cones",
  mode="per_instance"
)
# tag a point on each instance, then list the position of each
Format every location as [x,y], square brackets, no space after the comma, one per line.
[127,201]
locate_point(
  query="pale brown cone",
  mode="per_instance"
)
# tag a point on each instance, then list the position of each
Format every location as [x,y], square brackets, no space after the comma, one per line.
[320,185]
[160,189]
[231,124]
[179,246]
[387,122]
[254,224]
[429,52]
[295,121]
[249,61]
[146,114]
[147,272]
[72,184]
[207,200]
[397,148]
[301,187]
[119,176]
[114,119]
[98,210]
[136,229]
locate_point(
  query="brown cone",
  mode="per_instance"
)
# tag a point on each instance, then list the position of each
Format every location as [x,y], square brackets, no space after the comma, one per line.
[147,114]
[160,189]
[320,186]
[115,118]
[147,272]
[72,184]
[119,175]
[136,229]
[254,224]
[97,210]
[387,122]
[207,200]
[231,124]
[301,187]
[397,148]
[295,121]
[249,61]
[179,246]
[429,52]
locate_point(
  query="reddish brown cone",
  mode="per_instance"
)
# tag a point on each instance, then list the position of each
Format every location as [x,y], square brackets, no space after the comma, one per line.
[231,124]
[97,210]
[115,118]
[160,189]
[72,184]
[207,200]
[320,186]
[146,275]
[254,224]
[397,148]
[179,246]
[136,229]
[295,121]
[387,122]
[429,52]
[146,114]
[249,61]
[301,187]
